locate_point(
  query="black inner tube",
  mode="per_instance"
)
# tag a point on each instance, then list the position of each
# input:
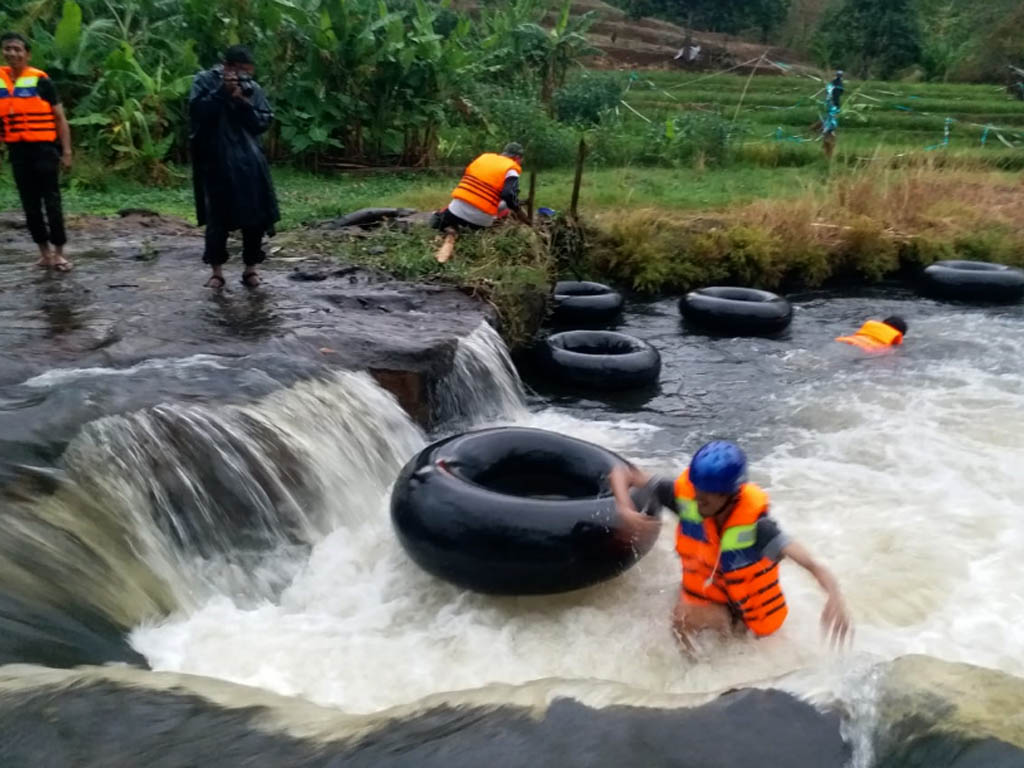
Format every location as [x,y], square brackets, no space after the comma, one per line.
[612,347]
[973,266]
[583,289]
[601,343]
[536,479]
[751,295]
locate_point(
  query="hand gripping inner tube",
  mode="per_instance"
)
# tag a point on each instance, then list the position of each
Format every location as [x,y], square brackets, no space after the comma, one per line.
[602,360]
[585,303]
[737,311]
[515,511]
[973,281]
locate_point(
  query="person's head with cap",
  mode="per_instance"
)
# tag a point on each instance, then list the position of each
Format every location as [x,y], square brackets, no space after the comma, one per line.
[897,322]
[514,150]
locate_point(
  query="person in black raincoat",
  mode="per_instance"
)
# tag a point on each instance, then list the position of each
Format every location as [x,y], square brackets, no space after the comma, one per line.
[228,111]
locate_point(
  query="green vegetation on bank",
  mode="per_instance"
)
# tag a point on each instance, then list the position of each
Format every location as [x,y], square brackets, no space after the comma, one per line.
[699,179]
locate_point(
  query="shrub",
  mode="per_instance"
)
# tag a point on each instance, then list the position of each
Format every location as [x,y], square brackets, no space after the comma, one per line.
[589,98]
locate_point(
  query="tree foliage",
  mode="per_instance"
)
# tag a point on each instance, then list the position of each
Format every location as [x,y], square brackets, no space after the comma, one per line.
[872,38]
[729,16]
[356,80]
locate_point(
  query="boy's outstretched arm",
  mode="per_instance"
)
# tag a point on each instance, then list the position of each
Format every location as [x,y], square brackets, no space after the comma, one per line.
[835,618]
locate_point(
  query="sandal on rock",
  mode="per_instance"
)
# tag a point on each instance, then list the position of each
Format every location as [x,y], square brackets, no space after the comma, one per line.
[251,279]
[215,281]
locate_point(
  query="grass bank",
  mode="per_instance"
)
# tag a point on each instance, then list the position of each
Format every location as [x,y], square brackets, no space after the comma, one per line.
[856,227]
[511,267]
[652,230]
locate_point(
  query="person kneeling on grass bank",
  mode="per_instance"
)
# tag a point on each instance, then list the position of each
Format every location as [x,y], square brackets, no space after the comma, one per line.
[32,120]
[233,190]
[730,548]
[488,182]
[877,338]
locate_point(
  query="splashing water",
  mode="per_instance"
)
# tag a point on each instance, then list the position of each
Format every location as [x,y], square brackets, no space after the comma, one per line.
[901,475]
[483,385]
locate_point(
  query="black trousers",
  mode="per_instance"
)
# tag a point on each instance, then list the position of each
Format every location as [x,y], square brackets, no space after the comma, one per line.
[36,167]
[449,219]
[216,252]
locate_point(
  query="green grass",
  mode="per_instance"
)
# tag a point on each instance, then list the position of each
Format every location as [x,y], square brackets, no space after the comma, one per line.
[757,165]
[305,197]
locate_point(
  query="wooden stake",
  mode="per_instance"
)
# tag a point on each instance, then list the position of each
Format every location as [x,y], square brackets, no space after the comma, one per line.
[578,180]
[531,202]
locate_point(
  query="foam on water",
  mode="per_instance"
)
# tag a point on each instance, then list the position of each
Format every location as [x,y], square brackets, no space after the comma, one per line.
[903,478]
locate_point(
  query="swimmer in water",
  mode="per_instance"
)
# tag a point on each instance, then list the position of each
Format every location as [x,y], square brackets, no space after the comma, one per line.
[878,338]
[730,548]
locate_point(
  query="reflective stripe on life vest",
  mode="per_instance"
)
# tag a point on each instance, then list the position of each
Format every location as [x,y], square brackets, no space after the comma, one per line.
[26,116]
[483,181]
[727,568]
[874,336]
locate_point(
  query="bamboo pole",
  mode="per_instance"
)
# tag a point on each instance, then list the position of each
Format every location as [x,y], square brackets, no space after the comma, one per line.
[743,96]
[578,180]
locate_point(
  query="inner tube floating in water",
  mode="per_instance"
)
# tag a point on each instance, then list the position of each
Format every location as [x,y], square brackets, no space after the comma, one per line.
[602,360]
[736,311]
[973,281]
[515,511]
[583,303]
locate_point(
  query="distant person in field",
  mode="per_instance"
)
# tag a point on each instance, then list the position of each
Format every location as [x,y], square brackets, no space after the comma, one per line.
[38,141]
[877,338]
[489,185]
[233,190]
[830,121]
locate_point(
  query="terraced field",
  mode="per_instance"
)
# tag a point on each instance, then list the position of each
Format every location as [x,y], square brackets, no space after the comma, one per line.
[878,118]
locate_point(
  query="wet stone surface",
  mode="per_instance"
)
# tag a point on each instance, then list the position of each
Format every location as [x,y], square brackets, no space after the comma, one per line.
[136,302]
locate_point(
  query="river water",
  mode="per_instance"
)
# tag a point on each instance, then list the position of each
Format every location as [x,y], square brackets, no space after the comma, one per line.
[903,474]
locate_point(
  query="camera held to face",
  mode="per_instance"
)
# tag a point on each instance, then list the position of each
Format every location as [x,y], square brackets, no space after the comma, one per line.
[246,84]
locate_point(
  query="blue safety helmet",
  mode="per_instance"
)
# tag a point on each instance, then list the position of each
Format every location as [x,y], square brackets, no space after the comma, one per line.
[718,467]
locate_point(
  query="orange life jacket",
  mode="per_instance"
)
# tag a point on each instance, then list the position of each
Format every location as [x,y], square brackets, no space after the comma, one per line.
[26,117]
[483,181]
[727,568]
[874,337]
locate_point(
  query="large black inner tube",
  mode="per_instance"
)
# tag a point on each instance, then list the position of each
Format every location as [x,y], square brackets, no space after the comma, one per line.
[734,311]
[515,511]
[978,281]
[583,303]
[602,360]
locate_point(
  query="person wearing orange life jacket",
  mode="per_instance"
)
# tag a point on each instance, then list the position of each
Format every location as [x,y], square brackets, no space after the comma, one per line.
[878,337]
[32,120]
[729,547]
[489,184]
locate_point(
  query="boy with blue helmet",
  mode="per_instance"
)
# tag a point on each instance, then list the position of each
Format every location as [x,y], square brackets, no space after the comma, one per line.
[729,547]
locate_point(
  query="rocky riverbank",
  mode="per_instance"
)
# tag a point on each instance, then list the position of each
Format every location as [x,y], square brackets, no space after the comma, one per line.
[136,296]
